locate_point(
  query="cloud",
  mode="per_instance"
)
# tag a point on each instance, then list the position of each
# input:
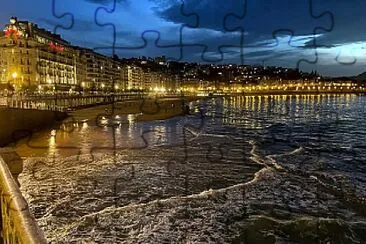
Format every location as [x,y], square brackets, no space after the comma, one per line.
[204,24]
[262,17]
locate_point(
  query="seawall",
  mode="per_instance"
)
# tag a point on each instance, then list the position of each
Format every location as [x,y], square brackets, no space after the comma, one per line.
[17,123]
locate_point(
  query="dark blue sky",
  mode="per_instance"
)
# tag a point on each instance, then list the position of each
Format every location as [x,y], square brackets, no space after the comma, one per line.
[328,33]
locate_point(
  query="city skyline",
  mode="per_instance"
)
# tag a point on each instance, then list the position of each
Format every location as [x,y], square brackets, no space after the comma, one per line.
[35,60]
[340,50]
[182,121]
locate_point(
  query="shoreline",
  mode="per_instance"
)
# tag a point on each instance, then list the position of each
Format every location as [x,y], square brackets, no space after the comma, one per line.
[143,110]
[124,109]
[138,185]
[148,109]
[158,108]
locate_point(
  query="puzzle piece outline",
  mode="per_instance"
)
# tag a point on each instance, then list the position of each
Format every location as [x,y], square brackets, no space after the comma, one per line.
[274,32]
[156,42]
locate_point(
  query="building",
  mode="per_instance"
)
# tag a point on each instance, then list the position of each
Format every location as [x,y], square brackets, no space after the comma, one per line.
[33,58]
[100,73]
[126,75]
[137,78]
[190,84]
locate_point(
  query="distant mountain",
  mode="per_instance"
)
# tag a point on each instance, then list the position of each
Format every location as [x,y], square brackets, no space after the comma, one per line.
[360,77]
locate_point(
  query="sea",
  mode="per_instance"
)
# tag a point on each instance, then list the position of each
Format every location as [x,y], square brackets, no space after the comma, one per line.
[240,169]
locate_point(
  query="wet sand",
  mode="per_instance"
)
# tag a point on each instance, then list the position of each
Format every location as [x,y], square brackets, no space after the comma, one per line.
[148,109]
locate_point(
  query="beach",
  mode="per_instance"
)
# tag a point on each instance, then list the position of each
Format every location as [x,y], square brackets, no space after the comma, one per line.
[148,109]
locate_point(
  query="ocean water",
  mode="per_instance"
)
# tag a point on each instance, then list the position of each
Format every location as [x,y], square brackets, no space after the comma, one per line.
[250,169]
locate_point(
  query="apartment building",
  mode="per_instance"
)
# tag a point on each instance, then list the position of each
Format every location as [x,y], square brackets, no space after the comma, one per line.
[34,58]
[101,72]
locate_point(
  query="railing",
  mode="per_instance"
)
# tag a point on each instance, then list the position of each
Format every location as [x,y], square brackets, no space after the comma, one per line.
[63,102]
[17,223]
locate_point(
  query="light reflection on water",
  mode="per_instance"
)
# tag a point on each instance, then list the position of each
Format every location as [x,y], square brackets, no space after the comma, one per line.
[245,112]
[297,138]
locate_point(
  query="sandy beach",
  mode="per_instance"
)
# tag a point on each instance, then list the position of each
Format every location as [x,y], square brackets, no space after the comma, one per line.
[148,109]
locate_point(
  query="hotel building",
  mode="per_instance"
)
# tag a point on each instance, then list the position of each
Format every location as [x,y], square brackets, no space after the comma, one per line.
[34,58]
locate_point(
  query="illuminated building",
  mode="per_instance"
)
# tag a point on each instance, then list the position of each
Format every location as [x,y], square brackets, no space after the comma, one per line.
[34,58]
[133,77]
[100,72]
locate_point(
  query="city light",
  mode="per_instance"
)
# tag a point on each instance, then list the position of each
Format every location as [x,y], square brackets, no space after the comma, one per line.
[105,70]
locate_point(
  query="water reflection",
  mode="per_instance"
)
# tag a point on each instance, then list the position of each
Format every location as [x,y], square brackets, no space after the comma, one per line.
[52,143]
[246,112]
[286,108]
[299,146]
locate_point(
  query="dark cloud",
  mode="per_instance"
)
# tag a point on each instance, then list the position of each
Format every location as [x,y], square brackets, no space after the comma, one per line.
[209,15]
[204,24]
[339,22]
[263,17]
[260,18]
[349,22]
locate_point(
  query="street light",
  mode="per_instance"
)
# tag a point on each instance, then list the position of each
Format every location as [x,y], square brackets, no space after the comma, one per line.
[14,75]
[83,86]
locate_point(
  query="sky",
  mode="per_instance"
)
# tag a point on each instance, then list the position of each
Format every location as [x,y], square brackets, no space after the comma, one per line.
[323,35]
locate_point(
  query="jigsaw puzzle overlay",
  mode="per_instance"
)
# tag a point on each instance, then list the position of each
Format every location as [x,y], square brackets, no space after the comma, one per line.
[205,171]
[244,169]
